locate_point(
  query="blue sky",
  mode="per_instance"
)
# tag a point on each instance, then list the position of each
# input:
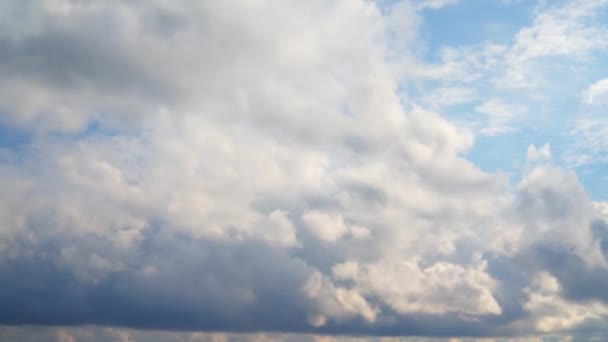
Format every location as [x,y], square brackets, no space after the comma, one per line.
[477,22]
[550,120]
[416,170]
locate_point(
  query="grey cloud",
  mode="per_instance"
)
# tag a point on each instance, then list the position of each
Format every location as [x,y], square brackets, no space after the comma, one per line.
[176,283]
[213,182]
[173,283]
[164,22]
[68,61]
[581,281]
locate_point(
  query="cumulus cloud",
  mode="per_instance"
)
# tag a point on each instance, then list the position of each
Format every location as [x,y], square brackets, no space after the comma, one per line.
[553,312]
[250,166]
[408,288]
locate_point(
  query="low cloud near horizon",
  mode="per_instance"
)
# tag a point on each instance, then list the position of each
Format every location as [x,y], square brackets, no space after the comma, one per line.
[297,170]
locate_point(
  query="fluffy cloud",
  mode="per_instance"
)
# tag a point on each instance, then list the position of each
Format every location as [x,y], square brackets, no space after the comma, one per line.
[554,313]
[248,166]
[408,288]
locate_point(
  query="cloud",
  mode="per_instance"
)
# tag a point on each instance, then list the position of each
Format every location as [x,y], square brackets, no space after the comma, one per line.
[571,33]
[535,155]
[590,142]
[542,299]
[324,226]
[499,115]
[449,96]
[244,166]
[435,4]
[406,288]
[567,30]
[596,93]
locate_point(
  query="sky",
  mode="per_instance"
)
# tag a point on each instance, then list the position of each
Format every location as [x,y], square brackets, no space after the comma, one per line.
[320,170]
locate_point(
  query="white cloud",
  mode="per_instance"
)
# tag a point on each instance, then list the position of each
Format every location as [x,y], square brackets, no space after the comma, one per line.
[560,43]
[596,93]
[435,4]
[326,227]
[222,136]
[499,114]
[440,98]
[590,142]
[408,288]
[336,302]
[539,155]
[553,313]
[561,31]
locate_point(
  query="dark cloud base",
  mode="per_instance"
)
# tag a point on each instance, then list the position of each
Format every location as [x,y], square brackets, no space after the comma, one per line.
[190,292]
[241,287]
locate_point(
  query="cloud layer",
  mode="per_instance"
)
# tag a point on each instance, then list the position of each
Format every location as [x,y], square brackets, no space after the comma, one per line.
[255,166]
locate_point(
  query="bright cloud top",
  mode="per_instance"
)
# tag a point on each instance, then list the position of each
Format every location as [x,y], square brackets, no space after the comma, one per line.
[297,167]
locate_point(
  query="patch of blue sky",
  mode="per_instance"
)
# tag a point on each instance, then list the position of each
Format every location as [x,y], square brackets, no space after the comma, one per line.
[14,141]
[93,128]
[507,151]
[18,143]
[12,136]
[472,22]
[595,179]
[552,109]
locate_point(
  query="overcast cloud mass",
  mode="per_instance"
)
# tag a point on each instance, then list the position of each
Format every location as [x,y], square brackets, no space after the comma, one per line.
[237,170]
